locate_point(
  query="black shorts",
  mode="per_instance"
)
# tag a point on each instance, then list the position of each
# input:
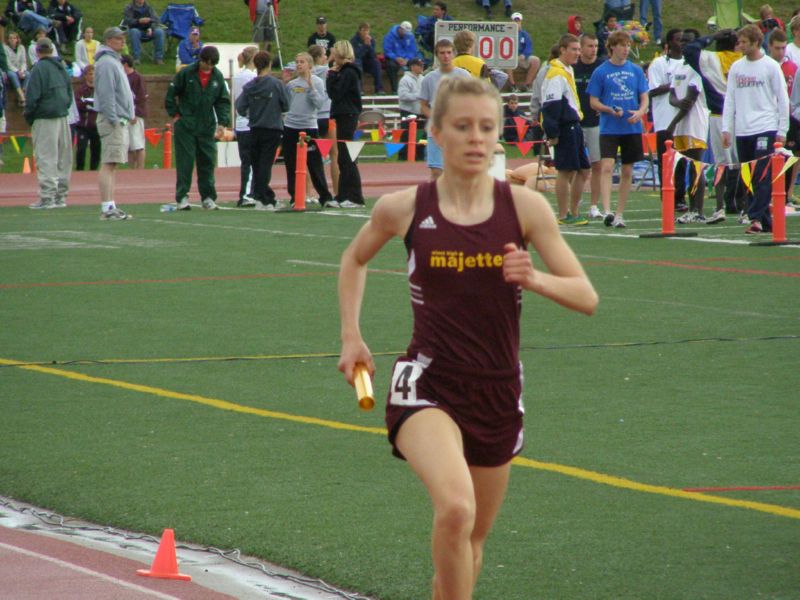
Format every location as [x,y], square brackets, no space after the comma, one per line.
[322,127]
[793,136]
[487,409]
[570,152]
[630,147]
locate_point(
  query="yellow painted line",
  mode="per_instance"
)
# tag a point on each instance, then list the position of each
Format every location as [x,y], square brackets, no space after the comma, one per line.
[629,484]
[601,478]
[213,402]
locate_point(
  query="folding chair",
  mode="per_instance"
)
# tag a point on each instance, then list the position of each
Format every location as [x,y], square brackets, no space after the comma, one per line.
[649,146]
[179,19]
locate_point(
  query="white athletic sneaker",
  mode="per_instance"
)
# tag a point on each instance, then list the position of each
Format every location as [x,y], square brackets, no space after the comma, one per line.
[312,200]
[348,204]
[595,213]
[42,204]
[744,219]
[331,204]
[60,203]
[619,222]
[209,204]
[115,214]
[183,204]
[717,217]
[687,217]
[267,207]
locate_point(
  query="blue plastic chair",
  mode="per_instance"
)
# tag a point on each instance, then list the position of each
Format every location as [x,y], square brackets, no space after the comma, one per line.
[179,19]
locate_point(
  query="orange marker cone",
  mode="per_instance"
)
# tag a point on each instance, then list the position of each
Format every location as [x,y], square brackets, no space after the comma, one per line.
[26,165]
[165,565]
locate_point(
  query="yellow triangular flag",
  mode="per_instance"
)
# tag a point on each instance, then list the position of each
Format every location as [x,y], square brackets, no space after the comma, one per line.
[699,169]
[786,166]
[375,135]
[15,144]
[744,173]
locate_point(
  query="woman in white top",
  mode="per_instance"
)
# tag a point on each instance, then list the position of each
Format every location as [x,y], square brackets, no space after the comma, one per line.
[33,58]
[85,49]
[17,65]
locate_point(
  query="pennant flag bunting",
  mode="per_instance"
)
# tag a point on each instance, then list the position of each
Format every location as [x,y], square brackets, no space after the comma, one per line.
[744,173]
[718,174]
[392,149]
[153,136]
[524,147]
[375,135]
[324,146]
[354,149]
[522,128]
[16,144]
[396,135]
[358,134]
[786,166]
[381,130]
[699,170]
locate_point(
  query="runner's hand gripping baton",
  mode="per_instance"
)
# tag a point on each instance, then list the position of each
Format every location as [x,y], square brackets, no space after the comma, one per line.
[366,399]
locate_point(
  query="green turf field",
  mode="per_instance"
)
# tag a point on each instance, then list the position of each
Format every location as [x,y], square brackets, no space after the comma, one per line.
[179,370]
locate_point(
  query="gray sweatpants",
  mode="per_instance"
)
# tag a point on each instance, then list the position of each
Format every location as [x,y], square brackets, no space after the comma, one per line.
[52,148]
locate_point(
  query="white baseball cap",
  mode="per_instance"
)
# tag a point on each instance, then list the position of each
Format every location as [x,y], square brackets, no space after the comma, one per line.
[406,26]
[517,16]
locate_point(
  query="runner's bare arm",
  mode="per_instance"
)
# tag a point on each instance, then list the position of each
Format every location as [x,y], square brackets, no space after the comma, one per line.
[565,281]
[390,217]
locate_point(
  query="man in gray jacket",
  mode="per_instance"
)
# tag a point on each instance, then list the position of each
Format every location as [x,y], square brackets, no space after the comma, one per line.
[113,102]
[48,101]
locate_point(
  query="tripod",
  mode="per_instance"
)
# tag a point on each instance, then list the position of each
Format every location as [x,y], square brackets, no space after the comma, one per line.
[266,29]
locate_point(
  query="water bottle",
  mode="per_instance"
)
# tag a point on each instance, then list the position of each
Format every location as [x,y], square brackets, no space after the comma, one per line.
[168,207]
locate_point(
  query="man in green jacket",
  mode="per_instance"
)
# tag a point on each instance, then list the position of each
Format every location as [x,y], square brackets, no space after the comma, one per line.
[200,105]
[48,101]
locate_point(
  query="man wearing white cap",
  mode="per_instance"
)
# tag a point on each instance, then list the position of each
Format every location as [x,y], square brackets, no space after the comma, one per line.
[527,59]
[399,47]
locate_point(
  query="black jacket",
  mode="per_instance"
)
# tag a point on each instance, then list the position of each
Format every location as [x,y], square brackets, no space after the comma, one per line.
[344,90]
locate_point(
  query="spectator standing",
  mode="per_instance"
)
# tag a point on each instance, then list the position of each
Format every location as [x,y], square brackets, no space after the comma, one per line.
[85,48]
[430,84]
[66,19]
[17,66]
[618,91]
[756,111]
[408,95]
[344,89]
[399,47]
[200,105]
[241,127]
[325,125]
[463,43]
[590,124]
[654,7]
[113,102]
[777,51]
[306,93]
[713,67]
[793,48]
[561,119]
[262,101]
[426,29]
[189,48]
[46,110]
[659,77]
[487,6]
[322,37]
[86,128]
[136,143]
[689,129]
[366,58]
[527,59]
[141,20]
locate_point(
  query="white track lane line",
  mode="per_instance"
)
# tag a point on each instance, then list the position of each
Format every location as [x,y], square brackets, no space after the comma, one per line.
[66,565]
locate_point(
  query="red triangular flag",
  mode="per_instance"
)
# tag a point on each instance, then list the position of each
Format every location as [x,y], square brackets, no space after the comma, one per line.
[718,175]
[522,127]
[524,147]
[397,134]
[324,146]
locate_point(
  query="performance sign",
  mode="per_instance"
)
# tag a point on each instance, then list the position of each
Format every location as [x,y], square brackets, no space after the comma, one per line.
[498,43]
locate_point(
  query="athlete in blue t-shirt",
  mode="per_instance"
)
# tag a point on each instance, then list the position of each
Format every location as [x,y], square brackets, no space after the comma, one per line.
[618,91]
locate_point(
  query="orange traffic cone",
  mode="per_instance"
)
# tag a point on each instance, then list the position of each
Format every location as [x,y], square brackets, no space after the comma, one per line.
[26,166]
[165,565]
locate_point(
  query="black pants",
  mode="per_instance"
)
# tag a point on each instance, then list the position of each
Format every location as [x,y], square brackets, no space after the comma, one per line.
[349,177]
[243,144]
[91,139]
[753,147]
[263,146]
[314,162]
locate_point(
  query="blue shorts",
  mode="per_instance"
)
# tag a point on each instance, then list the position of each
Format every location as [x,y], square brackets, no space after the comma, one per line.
[570,152]
[434,154]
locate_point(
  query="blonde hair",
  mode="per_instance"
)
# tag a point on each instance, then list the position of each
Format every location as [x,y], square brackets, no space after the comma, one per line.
[463,86]
[344,50]
[305,56]
[765,11]
[463,41]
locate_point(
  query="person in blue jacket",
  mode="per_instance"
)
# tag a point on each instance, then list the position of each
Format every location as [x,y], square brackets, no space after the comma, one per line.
[189,48]
[399,47]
